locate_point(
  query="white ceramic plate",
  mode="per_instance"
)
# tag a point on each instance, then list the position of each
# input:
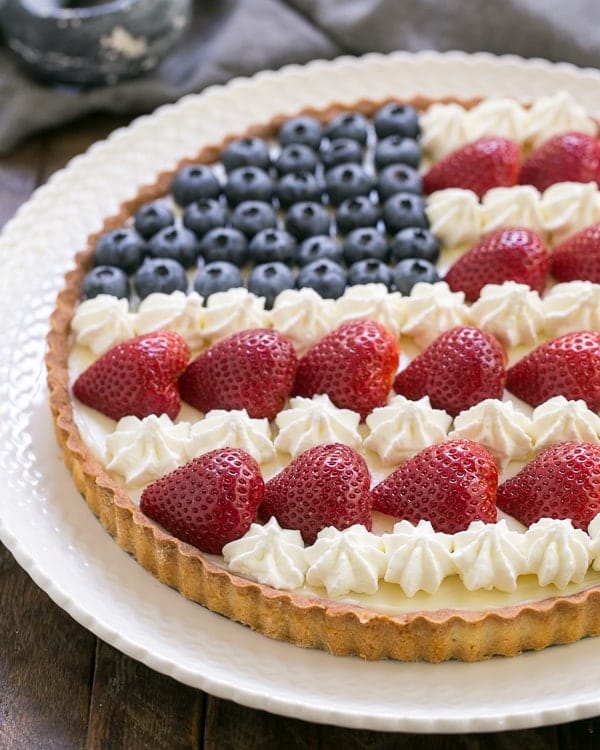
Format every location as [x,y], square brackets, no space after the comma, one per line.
[53,535]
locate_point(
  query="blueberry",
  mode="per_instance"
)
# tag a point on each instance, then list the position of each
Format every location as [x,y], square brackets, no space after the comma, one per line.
[370,271]
[195,181]
[248,184]
[106,280]
[307,218]
[356,212]
[159,275]
[218,276]
[317,247]
[175,242]
[224,243]
[151,218]
[396,149]
[296,158]
[270,245]
[364,243]
[398,178]
[252,216]
[351,125]
[324,276]
[269,279]
[123,248]
[246,152]
[341,151]
[396,119]
[299,186]
[203,215]
[415,242]
[302,129]
[404,210]
[347,181]
[409,272]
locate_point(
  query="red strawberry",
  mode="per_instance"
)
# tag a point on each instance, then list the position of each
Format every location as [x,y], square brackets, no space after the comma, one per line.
[462,367]
[354,365]
[562,482]
[568,157]
[566,366]
[136,378]
[209,501]
[578,257]
[252,369]
[479,166]
[328,485]
[450,484]
[505,254]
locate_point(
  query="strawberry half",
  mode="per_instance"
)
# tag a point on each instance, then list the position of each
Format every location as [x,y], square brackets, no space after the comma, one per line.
[328,485]
[462,367]
[209,501]
[568,157]
[562,482]
[479,166]
[354,365]
[137,377]
[505,254]
[566,366]
[252,369]
[450,484]
[578,257]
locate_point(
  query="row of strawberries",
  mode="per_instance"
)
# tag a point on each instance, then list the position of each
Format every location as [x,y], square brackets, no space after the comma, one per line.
[355,365]
[215,498]
[519,254]
[494,161]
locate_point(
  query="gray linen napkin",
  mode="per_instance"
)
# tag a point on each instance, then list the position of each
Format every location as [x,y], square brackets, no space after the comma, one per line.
[228,38]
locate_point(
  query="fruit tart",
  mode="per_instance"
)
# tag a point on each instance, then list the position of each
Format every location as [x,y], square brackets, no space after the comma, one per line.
[339,379]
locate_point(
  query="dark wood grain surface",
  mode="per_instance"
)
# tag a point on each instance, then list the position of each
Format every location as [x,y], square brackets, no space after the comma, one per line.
[62,688]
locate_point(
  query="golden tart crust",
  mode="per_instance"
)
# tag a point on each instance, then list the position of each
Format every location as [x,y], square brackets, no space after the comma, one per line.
[339,628]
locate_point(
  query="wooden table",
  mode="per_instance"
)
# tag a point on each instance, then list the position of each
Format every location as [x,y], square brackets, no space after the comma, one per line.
[63,688]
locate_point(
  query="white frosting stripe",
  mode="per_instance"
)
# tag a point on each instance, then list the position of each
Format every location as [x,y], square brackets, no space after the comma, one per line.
[416,558]
[446,127]
[512,312]
[459,219]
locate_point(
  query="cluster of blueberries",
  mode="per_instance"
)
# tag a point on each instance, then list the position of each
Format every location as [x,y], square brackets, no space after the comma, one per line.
[336,205]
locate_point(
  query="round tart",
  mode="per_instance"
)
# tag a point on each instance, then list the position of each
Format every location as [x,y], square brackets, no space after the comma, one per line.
[546,591]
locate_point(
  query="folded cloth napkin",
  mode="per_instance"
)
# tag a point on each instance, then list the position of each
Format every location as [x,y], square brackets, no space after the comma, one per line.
[229,38]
